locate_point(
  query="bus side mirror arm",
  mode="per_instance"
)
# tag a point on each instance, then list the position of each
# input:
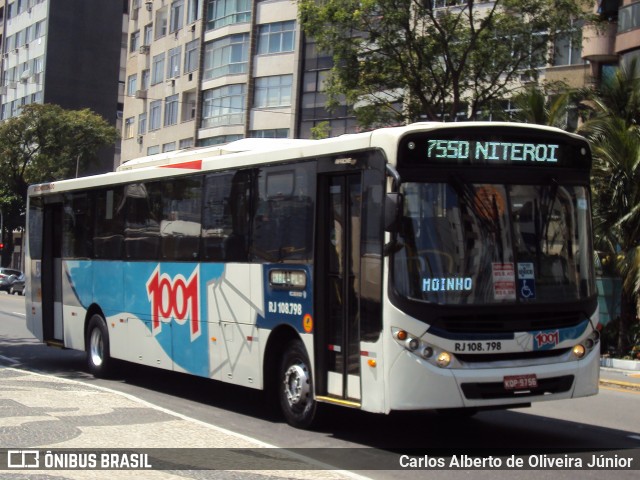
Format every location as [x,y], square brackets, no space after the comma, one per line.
[393,209]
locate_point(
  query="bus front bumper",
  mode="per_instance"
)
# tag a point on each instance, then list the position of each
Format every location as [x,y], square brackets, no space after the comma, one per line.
[418,385]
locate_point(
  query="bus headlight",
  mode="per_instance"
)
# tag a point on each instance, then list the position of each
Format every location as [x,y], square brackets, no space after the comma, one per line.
[443,359]
[579,351]
[415,345]
[589,343]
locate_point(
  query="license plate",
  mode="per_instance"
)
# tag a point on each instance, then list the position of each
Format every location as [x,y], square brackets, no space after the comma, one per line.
[520,382]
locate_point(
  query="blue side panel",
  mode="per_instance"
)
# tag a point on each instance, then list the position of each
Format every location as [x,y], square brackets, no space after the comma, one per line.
[81,274]
[171,298]
[107,289]
[287,305]
[548,339]
[170,302]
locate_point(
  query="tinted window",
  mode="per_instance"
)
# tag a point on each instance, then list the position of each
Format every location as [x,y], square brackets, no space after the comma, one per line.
[108,237]
[283,218]
[143,213]
[77,231]
[180,218]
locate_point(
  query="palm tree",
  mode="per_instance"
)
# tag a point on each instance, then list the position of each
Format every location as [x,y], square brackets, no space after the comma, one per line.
[614,135]
[535,105]
[616,209]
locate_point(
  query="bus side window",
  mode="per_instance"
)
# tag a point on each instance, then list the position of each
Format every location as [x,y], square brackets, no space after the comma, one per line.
[225,216]
[180,221]
[108,237]
[77,241]
[143,210]
[283,218]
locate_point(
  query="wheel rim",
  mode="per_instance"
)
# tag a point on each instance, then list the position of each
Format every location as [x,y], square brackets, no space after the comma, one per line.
[96,347]
[296,384]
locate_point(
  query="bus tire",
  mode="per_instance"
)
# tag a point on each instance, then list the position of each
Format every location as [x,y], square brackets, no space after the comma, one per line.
[97,345]
[295,388]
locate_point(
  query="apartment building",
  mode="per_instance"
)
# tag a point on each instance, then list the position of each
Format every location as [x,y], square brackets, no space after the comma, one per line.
[65,52]
[203,72]
[614,40]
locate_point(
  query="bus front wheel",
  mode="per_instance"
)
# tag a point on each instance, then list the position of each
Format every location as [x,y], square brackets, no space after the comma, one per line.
[296,387]
[97,346]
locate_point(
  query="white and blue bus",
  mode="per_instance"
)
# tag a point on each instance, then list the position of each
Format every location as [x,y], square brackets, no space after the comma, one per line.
[430,266]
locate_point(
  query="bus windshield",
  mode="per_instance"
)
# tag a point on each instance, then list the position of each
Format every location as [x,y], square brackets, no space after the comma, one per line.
[477,244]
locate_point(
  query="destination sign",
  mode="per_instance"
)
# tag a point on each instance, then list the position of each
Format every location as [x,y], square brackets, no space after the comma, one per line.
[494,147]
[492,151]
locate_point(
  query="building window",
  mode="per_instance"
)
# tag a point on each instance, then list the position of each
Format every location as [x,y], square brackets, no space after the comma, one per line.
[157,74]
[191,56]
[223,106]
[188,106]
[148,34]
[273,91]
[567,50]
[193,10]
[207,142]
[161,23]
[144,80]
[153,150]
[227,56]
[132,85]
[142,123]
[276,37]
[227,12]
[177,15]
[173,67]
[171,110]
[155,115]
[629,18]
[169,147]
[272,133]
[128,127]
[134,43]
[185,143]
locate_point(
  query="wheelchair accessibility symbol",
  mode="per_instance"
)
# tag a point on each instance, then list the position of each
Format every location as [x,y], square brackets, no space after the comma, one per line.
[526,281]
[526,291]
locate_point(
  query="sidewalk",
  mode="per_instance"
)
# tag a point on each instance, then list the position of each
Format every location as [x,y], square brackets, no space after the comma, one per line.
[616,377]
[42,413]
[45,414]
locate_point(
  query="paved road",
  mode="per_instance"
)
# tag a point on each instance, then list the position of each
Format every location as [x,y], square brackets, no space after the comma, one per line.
[47,411]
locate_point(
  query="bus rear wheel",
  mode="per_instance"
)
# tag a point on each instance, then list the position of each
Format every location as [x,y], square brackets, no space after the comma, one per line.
[97,345]
[296,387]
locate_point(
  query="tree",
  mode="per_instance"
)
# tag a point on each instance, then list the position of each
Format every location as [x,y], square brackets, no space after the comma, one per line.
[614,135]
[45,143]
[398,61]
[549,106]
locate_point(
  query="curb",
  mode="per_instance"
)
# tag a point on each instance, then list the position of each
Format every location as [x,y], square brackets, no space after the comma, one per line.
[617,383]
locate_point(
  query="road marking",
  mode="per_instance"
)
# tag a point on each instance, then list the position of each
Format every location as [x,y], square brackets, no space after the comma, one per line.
[224,431]
[19,313]
[9,359]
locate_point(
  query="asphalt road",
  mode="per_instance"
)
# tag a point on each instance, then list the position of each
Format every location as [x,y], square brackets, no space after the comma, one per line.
[606,422]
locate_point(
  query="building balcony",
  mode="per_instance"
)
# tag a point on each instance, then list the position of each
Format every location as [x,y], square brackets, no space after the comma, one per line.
[599,42]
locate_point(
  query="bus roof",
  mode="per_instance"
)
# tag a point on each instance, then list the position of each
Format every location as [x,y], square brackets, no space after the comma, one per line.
[248,152]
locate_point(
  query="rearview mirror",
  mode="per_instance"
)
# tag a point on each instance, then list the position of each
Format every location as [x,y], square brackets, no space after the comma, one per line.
[392,211]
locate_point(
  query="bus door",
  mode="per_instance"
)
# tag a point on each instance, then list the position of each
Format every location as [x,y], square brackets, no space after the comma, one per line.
[338,288]
[51,274]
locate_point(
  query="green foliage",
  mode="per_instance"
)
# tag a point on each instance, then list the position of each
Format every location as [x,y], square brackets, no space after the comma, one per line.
[321,130]
[397,61]
[45,143]
[614,134]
